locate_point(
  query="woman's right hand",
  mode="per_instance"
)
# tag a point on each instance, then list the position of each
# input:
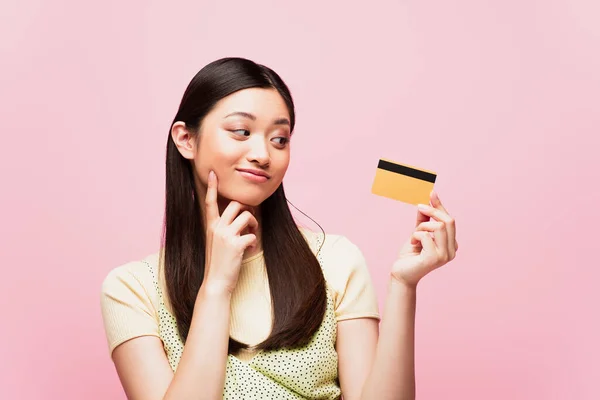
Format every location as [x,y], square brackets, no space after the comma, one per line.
[225,243]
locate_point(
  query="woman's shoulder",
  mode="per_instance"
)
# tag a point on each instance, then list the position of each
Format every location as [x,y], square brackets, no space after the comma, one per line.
[137,276]
[346,273]
[129,301]
[340,257]
[329,244]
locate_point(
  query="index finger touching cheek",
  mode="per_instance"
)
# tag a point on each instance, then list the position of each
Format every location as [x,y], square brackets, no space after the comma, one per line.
[212,209]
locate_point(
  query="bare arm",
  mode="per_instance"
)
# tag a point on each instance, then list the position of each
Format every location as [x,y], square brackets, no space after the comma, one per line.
[380,368]
[200,375]
[144,370]
[389,372]
[393,373]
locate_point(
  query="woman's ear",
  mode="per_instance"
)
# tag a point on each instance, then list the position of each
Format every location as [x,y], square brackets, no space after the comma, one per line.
[185,142]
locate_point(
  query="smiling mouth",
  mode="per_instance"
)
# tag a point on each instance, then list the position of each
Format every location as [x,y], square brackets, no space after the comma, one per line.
[254,176]
[254,172]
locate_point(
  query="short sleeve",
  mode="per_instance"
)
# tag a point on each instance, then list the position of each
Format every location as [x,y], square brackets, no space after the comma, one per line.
[346,272]
[127,308]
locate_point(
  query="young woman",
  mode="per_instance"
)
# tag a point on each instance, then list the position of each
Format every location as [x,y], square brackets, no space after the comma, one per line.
[266,309]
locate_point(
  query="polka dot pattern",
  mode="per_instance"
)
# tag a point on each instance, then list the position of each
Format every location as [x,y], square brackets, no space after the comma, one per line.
[167,327]
[307,372]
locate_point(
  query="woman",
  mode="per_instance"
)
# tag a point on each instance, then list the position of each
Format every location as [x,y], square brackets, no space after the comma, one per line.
[266,309]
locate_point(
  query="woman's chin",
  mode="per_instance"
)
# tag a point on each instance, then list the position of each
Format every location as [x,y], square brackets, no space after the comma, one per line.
[248,199]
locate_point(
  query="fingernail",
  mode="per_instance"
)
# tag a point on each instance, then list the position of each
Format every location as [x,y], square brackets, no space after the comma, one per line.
[434,195]
[422,206]
[211,176]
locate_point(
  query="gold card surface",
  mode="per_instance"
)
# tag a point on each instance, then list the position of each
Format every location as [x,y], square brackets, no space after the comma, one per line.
[403,182]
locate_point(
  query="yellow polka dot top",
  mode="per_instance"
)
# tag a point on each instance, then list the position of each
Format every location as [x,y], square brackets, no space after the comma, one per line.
[308,372]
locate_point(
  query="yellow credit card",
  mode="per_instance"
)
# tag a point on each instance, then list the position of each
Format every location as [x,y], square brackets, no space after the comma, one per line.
[403,182]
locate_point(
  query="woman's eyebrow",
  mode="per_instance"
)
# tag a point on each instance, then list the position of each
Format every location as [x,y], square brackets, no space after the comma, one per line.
[241,114]
[282,121]
[278,121]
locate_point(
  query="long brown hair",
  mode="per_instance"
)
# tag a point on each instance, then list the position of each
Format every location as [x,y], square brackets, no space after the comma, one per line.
[296,282]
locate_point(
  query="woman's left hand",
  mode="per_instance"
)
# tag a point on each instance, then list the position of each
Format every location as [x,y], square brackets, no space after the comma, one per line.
[423,253]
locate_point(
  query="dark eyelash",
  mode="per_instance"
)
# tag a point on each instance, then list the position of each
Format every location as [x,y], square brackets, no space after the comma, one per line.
[242,130]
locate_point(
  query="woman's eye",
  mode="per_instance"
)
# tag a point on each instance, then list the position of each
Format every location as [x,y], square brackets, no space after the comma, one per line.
[241,132]
[282,141]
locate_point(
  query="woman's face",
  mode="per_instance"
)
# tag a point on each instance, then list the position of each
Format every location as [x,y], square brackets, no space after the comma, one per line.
[245,141]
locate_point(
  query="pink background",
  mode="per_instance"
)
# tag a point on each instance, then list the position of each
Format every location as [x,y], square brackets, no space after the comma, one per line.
[501,98]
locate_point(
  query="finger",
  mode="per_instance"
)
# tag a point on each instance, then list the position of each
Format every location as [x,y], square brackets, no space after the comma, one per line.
[441,216]
[421,218]
[230,212]
[433,212]
[414,241]
[440,235]
[444,235]
[438,229]
[212,209]
[248,240]
[450,223]
[426,242]
[428,226]
[436,202]
[245,219]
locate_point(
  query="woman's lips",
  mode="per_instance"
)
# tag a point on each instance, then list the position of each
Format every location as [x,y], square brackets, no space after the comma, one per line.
[254,176]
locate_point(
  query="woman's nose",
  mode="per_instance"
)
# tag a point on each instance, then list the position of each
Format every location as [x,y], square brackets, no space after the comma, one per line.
[258,152]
